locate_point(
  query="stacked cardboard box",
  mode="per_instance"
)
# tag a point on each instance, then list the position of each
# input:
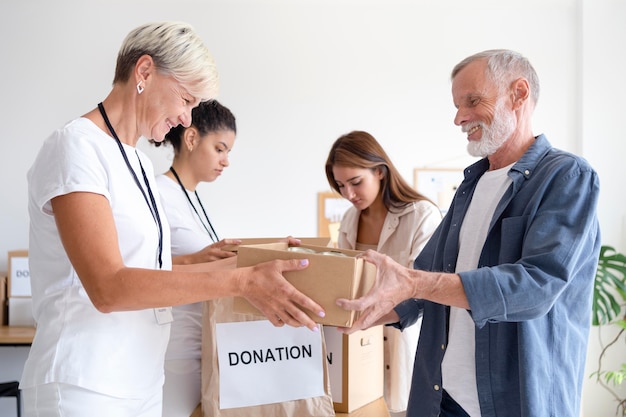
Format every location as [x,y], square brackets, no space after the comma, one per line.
[20,305]
[355,367]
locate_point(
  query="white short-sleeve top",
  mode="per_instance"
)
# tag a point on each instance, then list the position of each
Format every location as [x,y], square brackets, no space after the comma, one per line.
[121,353]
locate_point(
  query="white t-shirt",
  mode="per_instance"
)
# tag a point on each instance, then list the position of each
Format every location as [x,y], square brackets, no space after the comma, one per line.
[120,353]
[188,236]
[459,364]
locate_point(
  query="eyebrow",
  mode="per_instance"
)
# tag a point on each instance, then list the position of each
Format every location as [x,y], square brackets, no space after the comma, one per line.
[353,178]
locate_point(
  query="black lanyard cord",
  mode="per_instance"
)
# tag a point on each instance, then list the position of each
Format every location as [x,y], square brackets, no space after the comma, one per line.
[211,233]
[151,203]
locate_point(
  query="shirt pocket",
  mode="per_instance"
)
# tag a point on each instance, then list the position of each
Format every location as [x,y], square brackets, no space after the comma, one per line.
[512,239]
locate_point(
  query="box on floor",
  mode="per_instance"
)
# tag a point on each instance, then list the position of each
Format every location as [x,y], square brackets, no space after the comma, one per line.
[355,367]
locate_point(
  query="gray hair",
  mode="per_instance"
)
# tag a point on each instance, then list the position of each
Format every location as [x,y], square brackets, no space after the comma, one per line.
[177,51]
[503,67]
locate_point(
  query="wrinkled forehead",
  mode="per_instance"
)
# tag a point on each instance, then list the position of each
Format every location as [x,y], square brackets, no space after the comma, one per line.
[472,80]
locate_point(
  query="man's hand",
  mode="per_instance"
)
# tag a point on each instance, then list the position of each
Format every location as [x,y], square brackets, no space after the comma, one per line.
[392,286]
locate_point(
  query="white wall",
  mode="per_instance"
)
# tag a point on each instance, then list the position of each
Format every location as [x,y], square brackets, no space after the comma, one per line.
[604,145]
[299,73]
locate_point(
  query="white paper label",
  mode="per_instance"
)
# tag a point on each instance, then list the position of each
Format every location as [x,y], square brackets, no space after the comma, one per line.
[20,277]
[262,364]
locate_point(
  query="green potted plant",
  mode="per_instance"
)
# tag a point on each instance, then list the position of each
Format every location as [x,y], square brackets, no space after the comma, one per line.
[609,309]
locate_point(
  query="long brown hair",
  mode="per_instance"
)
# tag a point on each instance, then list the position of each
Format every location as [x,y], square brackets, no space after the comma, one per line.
[359,149]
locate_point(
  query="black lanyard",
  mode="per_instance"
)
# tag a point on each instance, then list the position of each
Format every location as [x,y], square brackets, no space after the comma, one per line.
[213,235]
[152,203]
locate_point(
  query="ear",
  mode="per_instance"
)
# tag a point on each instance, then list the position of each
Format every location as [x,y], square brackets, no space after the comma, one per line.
[190,138]
[144,69]
[520,91]
[380,173]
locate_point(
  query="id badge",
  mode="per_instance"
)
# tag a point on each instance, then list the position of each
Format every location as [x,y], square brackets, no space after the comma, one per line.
[163,315]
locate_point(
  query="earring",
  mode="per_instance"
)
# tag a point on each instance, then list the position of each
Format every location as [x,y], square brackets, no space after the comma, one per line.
[139,87]
[190,148]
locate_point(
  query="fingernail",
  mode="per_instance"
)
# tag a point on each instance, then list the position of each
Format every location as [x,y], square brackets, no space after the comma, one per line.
[316,329]
[321,314]
[304,262]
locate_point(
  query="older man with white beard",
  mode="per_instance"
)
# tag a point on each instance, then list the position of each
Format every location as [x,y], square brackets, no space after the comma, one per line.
[504,284]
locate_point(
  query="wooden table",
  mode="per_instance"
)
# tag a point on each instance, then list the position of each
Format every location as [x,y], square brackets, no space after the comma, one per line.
[16,335]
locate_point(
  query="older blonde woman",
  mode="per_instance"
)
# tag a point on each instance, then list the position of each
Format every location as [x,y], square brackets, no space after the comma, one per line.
[101,271]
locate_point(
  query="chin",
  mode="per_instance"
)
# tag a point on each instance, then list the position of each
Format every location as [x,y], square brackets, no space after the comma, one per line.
[475,150]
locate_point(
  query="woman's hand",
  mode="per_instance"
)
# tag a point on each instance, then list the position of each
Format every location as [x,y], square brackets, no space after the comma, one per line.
[265,287]
[213,252]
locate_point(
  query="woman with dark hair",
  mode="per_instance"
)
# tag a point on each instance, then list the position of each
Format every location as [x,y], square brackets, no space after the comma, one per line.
[389,216]
[200,155]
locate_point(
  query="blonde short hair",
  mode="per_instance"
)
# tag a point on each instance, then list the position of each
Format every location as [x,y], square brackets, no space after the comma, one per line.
[177,51]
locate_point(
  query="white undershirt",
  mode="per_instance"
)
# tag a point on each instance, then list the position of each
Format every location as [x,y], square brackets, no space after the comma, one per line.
[459,366]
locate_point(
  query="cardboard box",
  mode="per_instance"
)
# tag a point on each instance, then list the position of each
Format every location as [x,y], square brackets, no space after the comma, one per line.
[316,241]
[19,274]
[326,279]
[355,367]
[3,301]
[21,311]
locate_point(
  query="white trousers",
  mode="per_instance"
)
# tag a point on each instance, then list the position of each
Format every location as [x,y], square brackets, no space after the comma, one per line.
[182,390]
[63,400]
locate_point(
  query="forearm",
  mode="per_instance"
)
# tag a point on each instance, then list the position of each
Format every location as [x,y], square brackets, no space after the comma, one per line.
[135,289]
[438,287]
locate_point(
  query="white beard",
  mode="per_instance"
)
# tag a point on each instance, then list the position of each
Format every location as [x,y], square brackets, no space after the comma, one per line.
[494,135]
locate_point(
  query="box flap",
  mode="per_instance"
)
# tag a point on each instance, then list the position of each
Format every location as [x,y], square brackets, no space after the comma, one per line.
[319,241]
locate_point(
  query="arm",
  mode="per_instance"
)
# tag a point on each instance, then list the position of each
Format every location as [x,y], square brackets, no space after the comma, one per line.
[552,244]
[394,284]
[112,286]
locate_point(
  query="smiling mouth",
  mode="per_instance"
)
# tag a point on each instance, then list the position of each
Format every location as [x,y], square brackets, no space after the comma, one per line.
[470,131]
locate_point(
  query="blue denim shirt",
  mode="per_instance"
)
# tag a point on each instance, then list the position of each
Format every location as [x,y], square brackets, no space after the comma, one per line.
[530,297]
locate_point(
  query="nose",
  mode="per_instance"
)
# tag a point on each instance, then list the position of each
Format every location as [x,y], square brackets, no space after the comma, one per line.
[185,118]
[460,117]
[225,162]
[347,192]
